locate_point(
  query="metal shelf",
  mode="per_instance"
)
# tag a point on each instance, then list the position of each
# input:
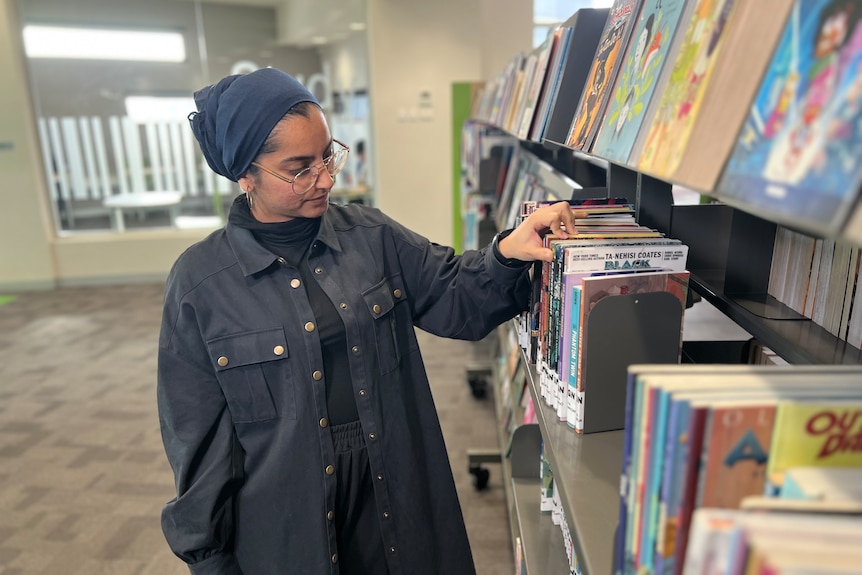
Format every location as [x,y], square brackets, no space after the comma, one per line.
[587,472]
[799,341]
[541,541]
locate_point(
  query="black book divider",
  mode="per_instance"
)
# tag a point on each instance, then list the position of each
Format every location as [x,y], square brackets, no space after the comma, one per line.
[621,331]
[526,451]
[587,25]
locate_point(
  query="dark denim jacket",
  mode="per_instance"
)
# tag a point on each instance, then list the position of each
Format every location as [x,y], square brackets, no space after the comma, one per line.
[242,396]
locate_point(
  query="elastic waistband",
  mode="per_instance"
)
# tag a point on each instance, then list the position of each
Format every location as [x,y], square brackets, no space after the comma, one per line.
[348,436]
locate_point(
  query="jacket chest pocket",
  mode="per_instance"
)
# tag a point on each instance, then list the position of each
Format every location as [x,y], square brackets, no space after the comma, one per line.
[382,301]
[254,374]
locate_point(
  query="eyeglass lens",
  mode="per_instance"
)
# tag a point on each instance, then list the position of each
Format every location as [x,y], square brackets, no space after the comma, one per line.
[306,180]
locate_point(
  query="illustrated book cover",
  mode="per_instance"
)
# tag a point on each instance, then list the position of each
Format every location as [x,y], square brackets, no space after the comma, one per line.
[797,158]
[603,71]
[638,77]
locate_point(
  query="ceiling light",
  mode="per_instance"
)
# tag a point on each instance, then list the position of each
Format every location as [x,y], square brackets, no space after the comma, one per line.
[103,44]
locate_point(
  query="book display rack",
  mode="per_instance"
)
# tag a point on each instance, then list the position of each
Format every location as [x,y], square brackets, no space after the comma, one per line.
[693,93]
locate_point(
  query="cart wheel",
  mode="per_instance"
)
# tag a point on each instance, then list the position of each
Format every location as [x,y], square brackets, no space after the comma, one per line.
[478,387]
[480,477]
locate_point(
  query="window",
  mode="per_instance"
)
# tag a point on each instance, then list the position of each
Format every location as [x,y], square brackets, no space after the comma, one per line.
[112,88]
[549,13]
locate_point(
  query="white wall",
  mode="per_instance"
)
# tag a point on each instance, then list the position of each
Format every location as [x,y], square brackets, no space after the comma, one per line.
[417,46]
[25,253]
[348,62]
[506,28]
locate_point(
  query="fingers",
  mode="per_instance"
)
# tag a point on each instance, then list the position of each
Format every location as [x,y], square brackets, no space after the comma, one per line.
[561,219]
[560,228]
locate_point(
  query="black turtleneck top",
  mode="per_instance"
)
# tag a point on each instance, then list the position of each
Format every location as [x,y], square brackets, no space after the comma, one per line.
[291,240]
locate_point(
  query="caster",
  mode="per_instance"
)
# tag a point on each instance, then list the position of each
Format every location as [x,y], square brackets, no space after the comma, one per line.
[480,477]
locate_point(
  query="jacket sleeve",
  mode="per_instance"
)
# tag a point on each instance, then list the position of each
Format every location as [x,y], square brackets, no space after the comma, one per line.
[459,296]
[201,446]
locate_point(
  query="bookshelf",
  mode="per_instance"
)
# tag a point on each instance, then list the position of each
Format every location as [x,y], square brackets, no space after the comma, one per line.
[731,240]
[730,253]
[586,472]
[587,475]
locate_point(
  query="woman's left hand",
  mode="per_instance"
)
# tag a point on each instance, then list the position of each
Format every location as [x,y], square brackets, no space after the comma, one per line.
[525,242]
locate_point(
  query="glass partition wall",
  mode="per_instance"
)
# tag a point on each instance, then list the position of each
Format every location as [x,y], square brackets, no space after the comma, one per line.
[112,83]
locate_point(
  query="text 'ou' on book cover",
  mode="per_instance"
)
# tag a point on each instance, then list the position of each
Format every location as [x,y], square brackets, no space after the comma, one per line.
[822,434]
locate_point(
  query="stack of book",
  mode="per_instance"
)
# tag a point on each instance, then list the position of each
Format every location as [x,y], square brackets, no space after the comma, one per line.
[741,543]
[818,278]
[701,437]
[609,255]
[551,504]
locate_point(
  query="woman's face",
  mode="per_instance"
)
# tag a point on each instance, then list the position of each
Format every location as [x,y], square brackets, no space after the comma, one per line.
[297,143]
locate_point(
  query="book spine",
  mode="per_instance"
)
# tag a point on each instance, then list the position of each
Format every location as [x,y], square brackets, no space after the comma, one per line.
[572,395]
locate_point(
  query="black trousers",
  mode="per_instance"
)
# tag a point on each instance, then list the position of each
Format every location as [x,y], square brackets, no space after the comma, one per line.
[357,525]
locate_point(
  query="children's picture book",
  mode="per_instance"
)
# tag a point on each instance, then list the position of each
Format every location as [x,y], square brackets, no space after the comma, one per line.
[824,434]
[638,77]
[665,139]
[748,42]
[600,79]
[736,448]
[797,158]
[823,484]
[692,439]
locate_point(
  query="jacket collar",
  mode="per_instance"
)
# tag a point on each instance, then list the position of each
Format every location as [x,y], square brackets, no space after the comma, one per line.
[254,258]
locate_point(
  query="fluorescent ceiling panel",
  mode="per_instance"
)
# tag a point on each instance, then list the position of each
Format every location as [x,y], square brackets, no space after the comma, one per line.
[103,44]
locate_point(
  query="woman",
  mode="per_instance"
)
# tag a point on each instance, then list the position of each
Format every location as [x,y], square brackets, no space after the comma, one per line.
[294,405]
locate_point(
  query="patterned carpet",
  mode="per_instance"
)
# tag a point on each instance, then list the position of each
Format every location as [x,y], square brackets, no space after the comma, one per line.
[82,473]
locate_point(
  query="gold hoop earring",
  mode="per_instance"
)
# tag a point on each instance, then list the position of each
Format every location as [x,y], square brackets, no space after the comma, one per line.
[248,199]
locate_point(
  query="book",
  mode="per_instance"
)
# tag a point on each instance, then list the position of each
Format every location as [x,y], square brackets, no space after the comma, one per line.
[536,82]
[639,75]
[661,142]
[559,46]
[603,71]
[792,161]
[586,27]
[826,434]
[756,542]
[823,483]
[736,448]
[575,258]
[753,31]
[597,288]
[573,311]
[659,481]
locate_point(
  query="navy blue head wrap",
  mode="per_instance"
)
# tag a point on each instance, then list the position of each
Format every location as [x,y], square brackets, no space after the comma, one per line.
[236,115]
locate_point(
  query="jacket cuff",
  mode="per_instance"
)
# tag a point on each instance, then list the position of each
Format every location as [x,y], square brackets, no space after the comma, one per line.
[503,270]
[219,564]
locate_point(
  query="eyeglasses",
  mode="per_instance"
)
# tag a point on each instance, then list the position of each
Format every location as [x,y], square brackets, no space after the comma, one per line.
[305,179]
